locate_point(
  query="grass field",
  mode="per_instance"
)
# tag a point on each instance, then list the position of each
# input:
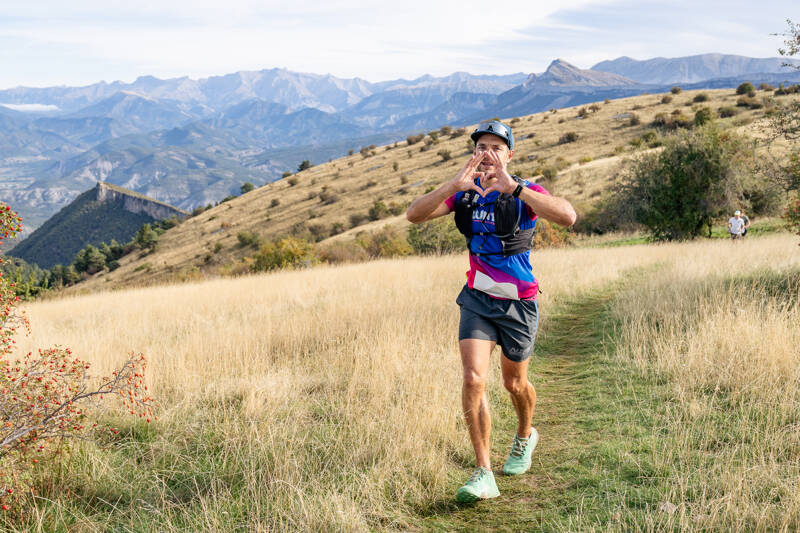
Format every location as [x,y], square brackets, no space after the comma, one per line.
[328,399]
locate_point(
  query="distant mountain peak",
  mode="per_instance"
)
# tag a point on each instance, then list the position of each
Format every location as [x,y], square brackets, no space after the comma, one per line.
[561,73]
[691,69]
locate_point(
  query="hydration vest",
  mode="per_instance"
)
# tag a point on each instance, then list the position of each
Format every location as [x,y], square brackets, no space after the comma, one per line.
[507,217]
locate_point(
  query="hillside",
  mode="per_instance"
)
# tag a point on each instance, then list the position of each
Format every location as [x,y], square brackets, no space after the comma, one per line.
[98,215]
[191,142]
[330,202]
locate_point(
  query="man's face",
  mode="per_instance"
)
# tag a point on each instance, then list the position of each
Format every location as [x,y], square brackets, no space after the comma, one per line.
[489,142]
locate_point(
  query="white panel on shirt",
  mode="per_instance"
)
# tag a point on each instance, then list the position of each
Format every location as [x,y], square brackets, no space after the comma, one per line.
[486,284]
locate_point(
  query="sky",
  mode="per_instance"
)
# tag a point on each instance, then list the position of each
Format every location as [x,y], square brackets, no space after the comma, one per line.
[52,42]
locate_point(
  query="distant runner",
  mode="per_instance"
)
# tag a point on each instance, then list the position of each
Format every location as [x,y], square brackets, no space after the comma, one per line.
[736,225]
[497,213]
[746,224]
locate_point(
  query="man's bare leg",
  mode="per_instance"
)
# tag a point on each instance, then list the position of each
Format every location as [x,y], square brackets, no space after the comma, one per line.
[475,356]
[523,395]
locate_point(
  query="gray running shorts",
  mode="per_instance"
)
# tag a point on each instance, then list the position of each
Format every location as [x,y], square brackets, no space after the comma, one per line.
[510,323]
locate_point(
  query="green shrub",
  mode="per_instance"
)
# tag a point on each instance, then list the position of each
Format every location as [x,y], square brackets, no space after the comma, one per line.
[328,197]
[727,111]
[766,87]
[746,88]
[304,165]
[414,139]
[248,238]
[288,252]
[292,181]
[247,187]
[672,121]
[700,97]
[356,219]
[569,137]
[378,210]
[649,136]
[286,175]
[704,115]
[275,202]
[676,90]
[550,236]
[634,120]
[387,242]
[319,231]
[438,236]
[395,166]
[445,155]
[666,99]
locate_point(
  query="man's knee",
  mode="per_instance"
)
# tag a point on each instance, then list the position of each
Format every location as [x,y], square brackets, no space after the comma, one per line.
[515,384]
[473,381]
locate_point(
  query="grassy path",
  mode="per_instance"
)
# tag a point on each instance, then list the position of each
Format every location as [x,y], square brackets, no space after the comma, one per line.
[595,417]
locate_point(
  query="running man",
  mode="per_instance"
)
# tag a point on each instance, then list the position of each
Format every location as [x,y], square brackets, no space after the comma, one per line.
[736,225]
[497,213]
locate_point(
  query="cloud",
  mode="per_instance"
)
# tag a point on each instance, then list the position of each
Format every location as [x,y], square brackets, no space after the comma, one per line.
[344,37]
[87,40]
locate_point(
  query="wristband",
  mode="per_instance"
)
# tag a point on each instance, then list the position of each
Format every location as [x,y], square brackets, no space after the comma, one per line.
[516,192]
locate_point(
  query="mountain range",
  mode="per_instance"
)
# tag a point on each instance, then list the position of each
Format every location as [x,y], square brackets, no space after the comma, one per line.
[191,142]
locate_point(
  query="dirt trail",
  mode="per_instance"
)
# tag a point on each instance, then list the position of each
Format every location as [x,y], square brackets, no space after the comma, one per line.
[565,374]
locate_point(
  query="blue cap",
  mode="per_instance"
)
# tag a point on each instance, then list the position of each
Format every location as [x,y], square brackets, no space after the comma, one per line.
[495,128]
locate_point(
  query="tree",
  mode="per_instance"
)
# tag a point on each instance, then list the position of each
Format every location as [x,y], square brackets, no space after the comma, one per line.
[95,260]
[785,122]
[146,237]
[304,165]
[699,175]
[247,187]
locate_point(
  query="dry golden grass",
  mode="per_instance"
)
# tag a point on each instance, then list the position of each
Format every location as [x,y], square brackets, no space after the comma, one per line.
[326,399]
[590,165]
[723,324]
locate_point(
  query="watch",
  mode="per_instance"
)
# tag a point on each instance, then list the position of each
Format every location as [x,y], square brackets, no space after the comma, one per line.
[516,192]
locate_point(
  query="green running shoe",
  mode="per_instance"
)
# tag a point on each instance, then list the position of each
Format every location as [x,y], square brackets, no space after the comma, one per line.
[519,460]
[480,485]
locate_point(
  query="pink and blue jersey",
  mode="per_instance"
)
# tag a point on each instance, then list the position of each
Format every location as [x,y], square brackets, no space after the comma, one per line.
[502,277]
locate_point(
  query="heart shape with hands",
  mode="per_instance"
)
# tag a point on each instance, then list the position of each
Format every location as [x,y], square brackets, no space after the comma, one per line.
[493,177]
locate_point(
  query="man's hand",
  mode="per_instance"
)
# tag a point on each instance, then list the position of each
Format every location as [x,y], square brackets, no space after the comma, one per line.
[504,182]
[465,179]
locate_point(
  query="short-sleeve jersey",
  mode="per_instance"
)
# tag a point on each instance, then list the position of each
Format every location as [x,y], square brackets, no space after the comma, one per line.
[737,225]
[504,277]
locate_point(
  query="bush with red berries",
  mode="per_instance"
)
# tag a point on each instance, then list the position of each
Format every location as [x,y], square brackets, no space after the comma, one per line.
[48,397]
